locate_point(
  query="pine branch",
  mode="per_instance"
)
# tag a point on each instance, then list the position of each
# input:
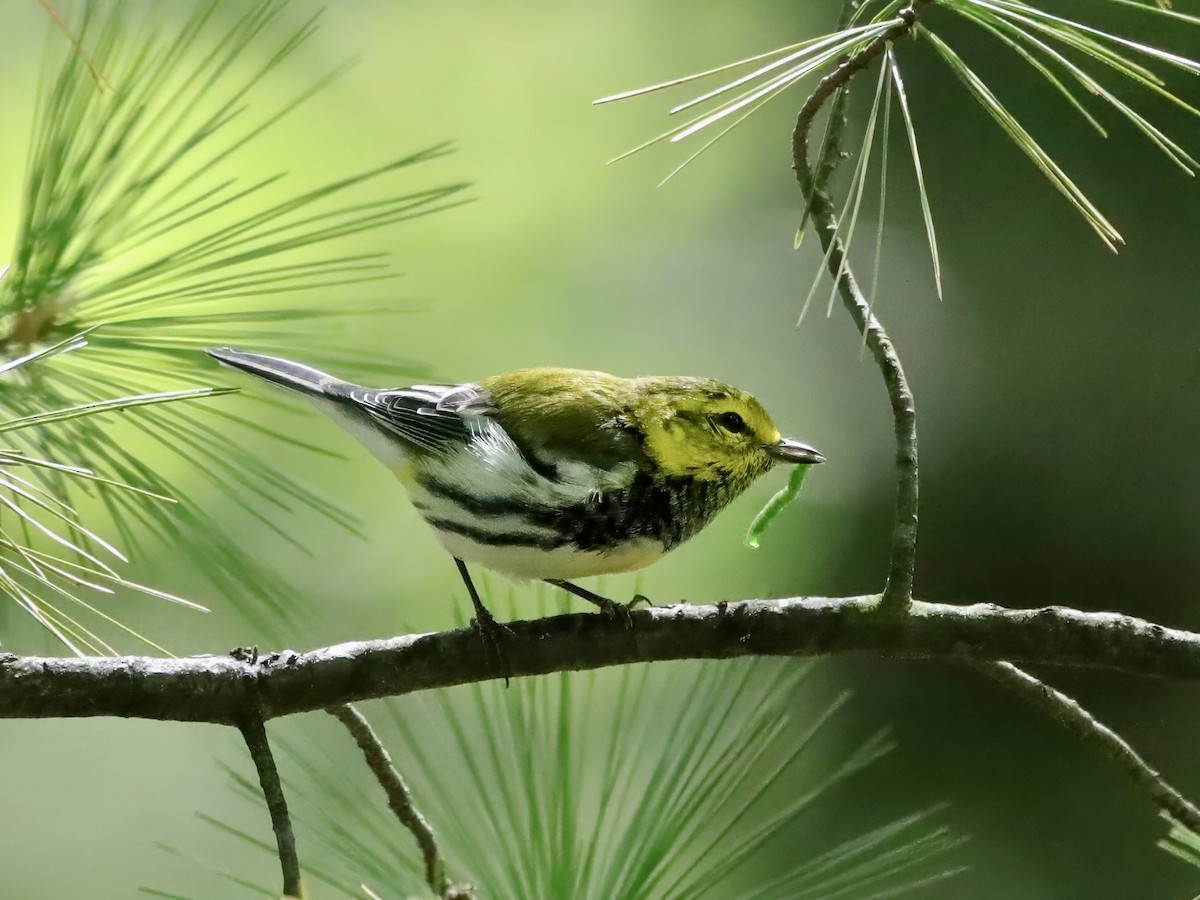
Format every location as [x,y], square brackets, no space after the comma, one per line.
[898,593]
[255,734]
[223,689]
[401,802]
[896,601]
[1087,727]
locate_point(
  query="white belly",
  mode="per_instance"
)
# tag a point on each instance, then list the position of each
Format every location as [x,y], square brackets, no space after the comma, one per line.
[492,467]
[532,563]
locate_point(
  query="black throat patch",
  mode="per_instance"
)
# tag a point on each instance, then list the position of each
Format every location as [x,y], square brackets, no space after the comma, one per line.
[665,509]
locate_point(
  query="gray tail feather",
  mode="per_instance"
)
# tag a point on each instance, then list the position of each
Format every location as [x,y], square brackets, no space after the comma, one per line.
[282,372]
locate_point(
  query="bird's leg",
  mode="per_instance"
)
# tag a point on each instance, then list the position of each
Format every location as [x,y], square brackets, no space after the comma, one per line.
[612,607]
[489,629]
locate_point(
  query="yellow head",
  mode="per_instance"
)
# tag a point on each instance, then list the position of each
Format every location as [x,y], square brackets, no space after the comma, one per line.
[704,429]
[676,426]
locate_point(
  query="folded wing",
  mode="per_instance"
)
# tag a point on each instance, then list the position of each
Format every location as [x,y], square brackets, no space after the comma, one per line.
[432,417]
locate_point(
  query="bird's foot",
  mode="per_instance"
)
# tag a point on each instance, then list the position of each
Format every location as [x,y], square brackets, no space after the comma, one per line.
[493,633]
[611,608]
[615,610]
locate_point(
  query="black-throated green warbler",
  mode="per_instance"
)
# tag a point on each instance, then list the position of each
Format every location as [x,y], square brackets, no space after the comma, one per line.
[554,474]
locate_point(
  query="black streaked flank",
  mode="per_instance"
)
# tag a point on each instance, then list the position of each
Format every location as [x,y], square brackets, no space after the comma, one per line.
[484,507]
[501,538]
[668,510]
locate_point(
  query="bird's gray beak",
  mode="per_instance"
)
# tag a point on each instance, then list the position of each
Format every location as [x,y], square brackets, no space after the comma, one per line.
[790,451]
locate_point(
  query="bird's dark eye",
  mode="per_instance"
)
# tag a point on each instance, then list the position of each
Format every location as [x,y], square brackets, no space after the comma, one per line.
[732,422]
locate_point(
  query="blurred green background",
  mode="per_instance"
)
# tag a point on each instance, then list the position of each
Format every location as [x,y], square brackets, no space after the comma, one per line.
[1056,386]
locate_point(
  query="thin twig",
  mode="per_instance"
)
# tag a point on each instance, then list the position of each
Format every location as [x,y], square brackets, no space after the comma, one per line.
[399,799]
[830,153]
[1086,726]
[897,596]
[255,734]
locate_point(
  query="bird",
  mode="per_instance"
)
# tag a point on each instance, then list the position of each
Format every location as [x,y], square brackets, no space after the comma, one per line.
[553,474]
